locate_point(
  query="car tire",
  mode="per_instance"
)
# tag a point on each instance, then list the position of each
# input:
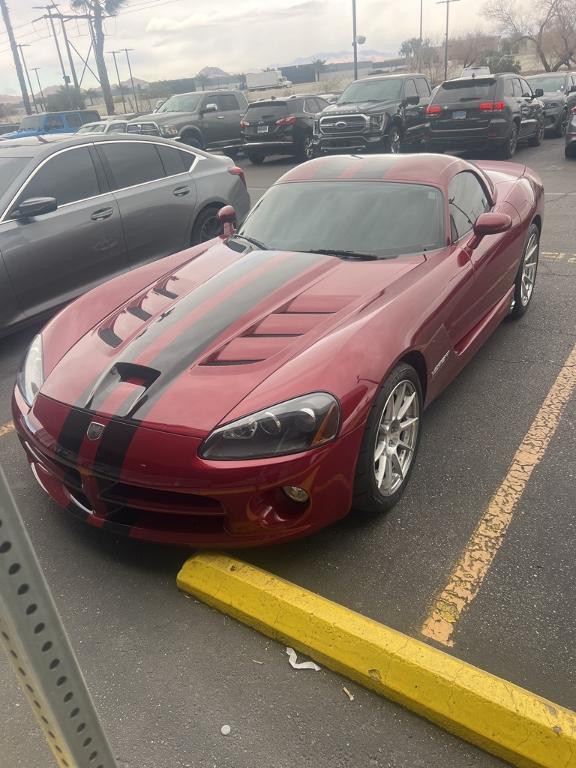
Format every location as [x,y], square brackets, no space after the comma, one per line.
[207,225]
[527,271]
[306,149]
[231,153]
[378,486]
[538,137]
[570,154]
[393,141]
[560,126]
[508,149]
[192,139]
[256,158]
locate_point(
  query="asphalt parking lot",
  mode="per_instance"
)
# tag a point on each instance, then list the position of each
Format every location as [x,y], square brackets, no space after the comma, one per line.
[167,672]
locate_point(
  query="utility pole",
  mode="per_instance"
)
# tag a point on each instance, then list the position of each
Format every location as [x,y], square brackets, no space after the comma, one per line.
[354,40]
[420,38]
[25,45]
[447,3]
[50,17]
[126,51]
[69,52]
[17,64]
[119,81]
[40,91]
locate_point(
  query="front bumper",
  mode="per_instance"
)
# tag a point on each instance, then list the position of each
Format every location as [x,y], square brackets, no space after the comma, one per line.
[361,142]
[156,488]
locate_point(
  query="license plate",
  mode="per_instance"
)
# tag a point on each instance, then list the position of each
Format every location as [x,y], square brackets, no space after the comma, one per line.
[262,129]
[459,115]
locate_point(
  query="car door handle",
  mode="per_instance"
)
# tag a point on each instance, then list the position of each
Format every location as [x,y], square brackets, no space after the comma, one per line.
[181,191]
[219,117]
[103,213]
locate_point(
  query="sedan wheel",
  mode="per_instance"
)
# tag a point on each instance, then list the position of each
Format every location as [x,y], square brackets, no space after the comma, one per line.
[390,442]
[207,226]
[308,149]
[526,278]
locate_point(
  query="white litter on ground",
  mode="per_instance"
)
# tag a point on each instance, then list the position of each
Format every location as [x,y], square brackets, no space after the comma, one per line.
[292,658]
[225,730]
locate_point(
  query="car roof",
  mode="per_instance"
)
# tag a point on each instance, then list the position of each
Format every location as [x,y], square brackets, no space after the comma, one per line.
[548,74]
[429,169]
[36,146]
[384,76]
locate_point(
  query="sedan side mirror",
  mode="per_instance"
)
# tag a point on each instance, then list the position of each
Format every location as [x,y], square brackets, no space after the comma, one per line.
[492,224]
[227,217]
[210,108]
[412,100]
[539,92]
[35,206]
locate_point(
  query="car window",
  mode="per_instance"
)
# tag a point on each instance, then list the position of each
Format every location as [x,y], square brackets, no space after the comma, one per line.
[410,89]
[422,87]
[69,176]
[226,102]
[117,128]
[371,90]
[467,200]
[74,121]
[10,169]
[209,100]
[320,104]
[53,123]
[132,163]
[510,88]
[268,110]
[173,160]
[526,89]
[474,89]
[185,102]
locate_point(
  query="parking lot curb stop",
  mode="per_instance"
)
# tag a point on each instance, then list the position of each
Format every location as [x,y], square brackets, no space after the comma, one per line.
[492,713]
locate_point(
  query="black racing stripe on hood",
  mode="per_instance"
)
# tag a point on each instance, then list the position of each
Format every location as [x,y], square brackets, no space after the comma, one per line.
[72,434]
[113,448]
[187,348]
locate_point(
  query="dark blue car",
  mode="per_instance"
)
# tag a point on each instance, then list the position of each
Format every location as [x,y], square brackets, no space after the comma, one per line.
[53,122]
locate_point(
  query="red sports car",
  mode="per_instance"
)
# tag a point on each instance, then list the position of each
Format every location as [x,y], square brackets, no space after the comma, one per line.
[257,387]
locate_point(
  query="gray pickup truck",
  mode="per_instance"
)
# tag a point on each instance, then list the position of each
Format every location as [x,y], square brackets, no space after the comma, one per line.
[203,119]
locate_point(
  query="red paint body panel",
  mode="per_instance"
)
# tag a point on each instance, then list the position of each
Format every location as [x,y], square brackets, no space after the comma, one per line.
[161,356]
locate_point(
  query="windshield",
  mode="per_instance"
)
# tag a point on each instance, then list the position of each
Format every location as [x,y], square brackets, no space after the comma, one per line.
[30,123]
[548,84]
[92,128]
[380,218]
[185,102]
[371,90]
[10,168]
[465,90]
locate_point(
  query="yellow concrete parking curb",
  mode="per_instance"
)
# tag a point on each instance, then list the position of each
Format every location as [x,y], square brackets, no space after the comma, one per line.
[494,714]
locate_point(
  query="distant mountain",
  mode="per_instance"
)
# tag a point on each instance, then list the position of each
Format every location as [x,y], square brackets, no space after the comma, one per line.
[212,72]
[336,57]
[7,99]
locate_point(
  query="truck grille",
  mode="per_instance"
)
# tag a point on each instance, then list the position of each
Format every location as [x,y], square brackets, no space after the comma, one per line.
[340,125]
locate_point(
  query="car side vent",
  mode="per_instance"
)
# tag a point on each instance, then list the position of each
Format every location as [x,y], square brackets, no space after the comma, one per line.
[140,313]
[109,337]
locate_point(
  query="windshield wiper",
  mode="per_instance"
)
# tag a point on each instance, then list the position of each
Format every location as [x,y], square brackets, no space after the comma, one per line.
[250,240]
[344,254]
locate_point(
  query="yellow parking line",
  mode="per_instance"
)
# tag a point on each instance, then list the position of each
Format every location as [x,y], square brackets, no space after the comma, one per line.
[5,429]
[494,714]
[468,574]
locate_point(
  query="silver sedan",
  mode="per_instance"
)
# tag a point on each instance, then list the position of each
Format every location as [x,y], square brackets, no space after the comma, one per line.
[77,210]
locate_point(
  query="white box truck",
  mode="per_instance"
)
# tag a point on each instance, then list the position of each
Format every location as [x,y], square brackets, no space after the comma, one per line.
[262,81]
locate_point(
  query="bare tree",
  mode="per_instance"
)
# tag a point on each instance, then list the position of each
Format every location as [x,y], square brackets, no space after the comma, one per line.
[473,48]
[548,24]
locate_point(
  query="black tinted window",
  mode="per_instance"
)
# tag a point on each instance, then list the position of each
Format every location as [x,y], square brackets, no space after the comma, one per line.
[422,87]
[53,123]
[226,102]
[10,168]
[74,121]
[68,177]
[371,90]
[455,91]
[410,89]
[268,110]
[132,164]
[389,219]
[173,160]
[467,200]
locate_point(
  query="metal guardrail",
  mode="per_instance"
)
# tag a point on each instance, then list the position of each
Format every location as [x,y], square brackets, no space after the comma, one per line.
[37,646]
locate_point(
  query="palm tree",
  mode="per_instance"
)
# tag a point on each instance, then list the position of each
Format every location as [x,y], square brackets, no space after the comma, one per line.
[319,66]
[97,9]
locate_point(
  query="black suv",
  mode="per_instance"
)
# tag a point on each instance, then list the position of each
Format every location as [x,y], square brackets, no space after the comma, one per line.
[559,97]
[205,119]
[492,112]
[280,127]
[379,114]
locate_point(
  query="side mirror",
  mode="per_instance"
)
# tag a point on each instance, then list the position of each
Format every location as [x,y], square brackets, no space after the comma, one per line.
[412,101]
[492,224]
[227,217]
[35,206]
[539,92]
[210,108]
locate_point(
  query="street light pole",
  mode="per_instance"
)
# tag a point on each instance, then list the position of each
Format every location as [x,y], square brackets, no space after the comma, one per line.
[20,46]
[447,4]
[40,91]
[126,51]
[119,81]
[354,40]
[420,38]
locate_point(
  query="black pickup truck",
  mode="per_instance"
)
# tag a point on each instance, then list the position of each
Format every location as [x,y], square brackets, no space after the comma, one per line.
[380,113]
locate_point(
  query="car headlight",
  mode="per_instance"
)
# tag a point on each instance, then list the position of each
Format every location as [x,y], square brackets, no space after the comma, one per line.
[291,427]
[376,122]
[31,376]
[168,130]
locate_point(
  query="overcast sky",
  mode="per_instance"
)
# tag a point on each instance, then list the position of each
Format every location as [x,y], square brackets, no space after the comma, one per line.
[177,38]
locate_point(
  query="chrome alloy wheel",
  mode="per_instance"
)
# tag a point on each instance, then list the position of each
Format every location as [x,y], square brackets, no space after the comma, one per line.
[529,269]
[396,438]
[394,141]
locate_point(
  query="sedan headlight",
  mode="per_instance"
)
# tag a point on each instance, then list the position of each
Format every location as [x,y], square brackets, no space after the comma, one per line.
[31,376]
[169,130]
[291,427]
